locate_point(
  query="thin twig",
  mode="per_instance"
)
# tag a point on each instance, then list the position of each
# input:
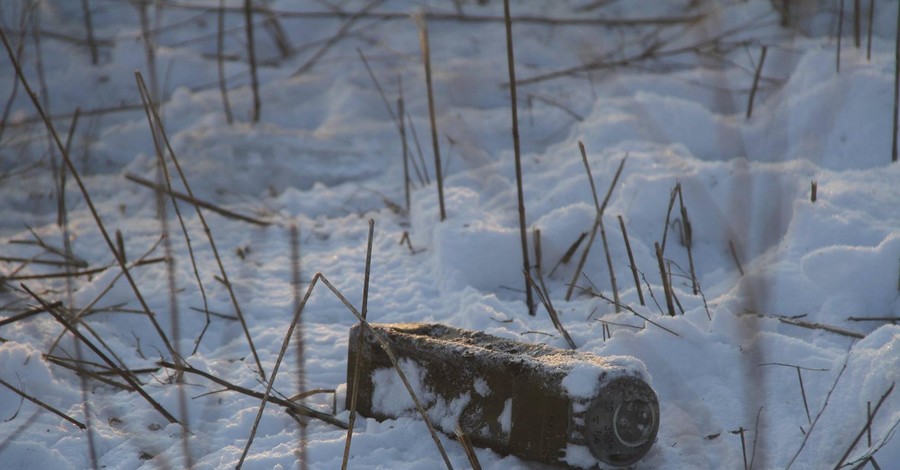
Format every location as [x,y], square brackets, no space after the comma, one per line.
[634,273]
[467,447]
[251,58]
[734,256]
[357,366]
[43,405]
[220,64]
[341,33]
[209,236]
[759,66]
[436,148]
[122,373]
[87,197]
[517,154]
[196,202]
[867,426]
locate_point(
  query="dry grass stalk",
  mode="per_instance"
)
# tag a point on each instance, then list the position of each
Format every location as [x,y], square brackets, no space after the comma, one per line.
[868,426]
[664,278]
[857,29]
[359,347]
[295,407]
[869,33]
[386,347]
[301,346]
[197,202]
[756,75]
[600,208]
[687,239]
[208,232]
[634,271]
[544,297]
[220,64]
[426,60]
[398,121]
[89,29]
[122,373]
[813,189]
[840,34]
[734,256]
[27,314]
[340,34]
[43,405]
[567,256]
[467,447]
[468,18]
[84,373]
[85,193]
[412,127]
[609,265]
[596,293]
[520,194]
[251,58]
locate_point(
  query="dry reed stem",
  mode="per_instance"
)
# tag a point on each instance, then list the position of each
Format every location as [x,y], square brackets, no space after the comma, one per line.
[544,297]
[609,265]
[734,256]
[209,236]
[756,75]
[298,408]
[857,30]
[197,202]
[634,272]
[385,346]
[463,18]
[77,317]
[340,34]
[46,406]
[122,373]
[635,312]
[301,345]
[89,30]
[27,314]
[869,33]
[821,411]
[436,148]
[840,34]
[664,278]
[412,127]
[251,59]
[687,235]
[467,447]
[155,131]
[866,427]
[567,256]
[85,373]
[86,195]
[359,347]
[520,194]
[220,65]
[398,121]
[600,208]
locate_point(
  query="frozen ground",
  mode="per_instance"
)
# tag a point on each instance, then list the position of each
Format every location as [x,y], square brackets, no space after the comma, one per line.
[326,157]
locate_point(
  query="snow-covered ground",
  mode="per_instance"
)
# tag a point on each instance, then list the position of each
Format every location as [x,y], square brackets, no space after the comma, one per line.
[738,380]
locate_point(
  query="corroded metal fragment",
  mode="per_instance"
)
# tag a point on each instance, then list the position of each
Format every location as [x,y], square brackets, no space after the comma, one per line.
[530,400]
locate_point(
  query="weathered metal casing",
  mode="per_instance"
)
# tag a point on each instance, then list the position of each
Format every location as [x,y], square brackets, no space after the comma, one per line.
[516,398]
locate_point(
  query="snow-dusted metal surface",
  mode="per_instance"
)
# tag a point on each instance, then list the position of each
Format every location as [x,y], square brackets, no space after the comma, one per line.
[531,400]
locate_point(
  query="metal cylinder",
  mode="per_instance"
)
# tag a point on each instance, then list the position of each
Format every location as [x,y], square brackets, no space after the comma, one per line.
[530,400]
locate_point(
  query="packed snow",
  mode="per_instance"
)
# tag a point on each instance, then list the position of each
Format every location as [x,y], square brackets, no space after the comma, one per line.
[774,362]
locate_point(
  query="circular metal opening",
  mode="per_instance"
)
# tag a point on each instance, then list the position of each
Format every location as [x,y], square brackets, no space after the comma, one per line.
[633,422]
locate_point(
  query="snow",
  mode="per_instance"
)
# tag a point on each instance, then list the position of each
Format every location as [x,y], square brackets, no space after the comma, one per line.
[326,157]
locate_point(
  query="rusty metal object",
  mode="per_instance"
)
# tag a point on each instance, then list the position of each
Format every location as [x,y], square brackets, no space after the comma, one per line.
[530,400]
